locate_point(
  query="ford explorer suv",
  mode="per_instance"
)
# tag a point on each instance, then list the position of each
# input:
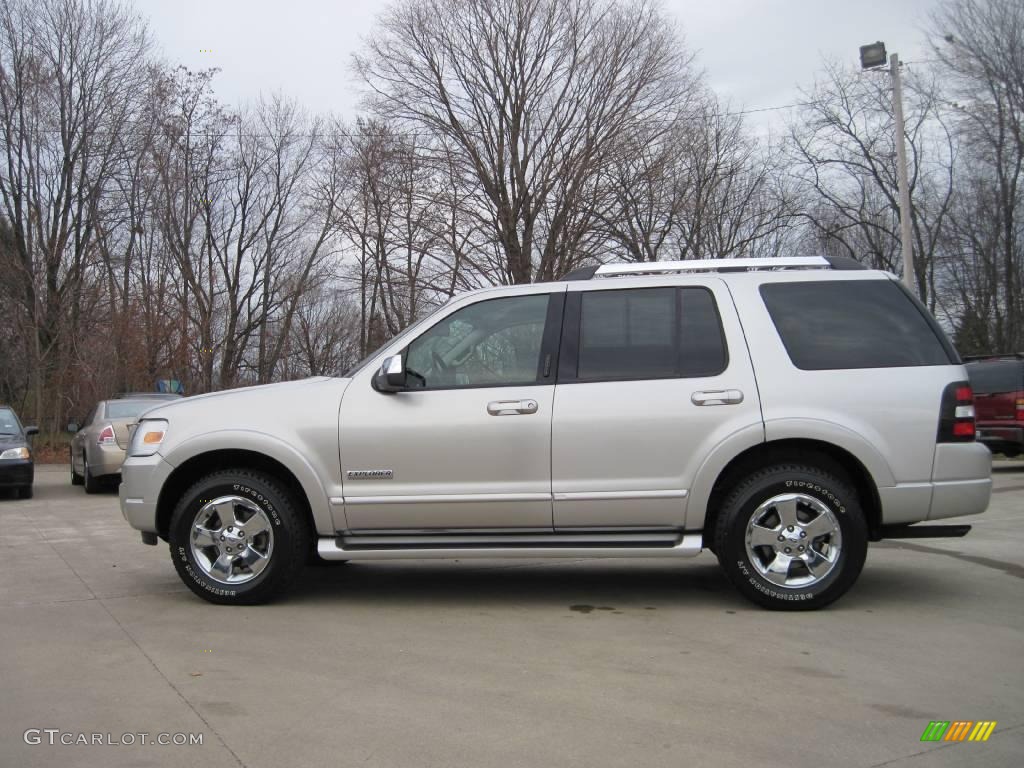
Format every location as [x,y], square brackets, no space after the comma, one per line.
[781,413]
[998,384]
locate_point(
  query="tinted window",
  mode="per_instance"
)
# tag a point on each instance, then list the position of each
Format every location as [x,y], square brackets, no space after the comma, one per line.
[491,343]
[125,409]
[851,324]
[649,333]
[996,377]
[703,346]
[628,334]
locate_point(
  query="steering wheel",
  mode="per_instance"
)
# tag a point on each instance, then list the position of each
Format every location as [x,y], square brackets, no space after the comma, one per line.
[439,364]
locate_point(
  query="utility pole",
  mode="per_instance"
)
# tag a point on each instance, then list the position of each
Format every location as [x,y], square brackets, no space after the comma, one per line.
[872,56]
[901,171]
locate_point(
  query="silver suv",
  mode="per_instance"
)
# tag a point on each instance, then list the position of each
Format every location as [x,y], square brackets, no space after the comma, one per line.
[781,413]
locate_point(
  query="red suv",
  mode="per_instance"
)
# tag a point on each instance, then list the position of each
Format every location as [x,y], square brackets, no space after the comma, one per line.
[998,384]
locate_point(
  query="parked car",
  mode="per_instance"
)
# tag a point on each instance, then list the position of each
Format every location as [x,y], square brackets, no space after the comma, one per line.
[16,466]
[98,446]
[998,384]
[780,412]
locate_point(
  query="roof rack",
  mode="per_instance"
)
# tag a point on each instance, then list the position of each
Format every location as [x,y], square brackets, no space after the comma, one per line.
[713,265]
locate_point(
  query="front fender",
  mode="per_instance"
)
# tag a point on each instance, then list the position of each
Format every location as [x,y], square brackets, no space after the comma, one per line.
[274,448]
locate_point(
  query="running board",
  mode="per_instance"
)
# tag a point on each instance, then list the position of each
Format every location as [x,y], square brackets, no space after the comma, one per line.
[392,547]
[924,531]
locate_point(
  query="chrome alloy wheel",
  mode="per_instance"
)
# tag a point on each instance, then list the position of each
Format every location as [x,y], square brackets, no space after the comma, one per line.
[793,540]
[232,539]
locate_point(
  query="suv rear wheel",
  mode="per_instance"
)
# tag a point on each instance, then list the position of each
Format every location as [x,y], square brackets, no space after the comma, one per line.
[792,537]
[237,537]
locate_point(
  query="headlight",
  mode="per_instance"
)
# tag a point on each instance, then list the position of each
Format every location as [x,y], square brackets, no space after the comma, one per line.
[16,453]
[147,437]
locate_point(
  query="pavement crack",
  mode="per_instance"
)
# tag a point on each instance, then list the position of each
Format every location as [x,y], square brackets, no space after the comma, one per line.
[1011,569]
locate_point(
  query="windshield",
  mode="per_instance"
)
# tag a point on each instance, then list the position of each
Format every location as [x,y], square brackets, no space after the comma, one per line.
[420,324]
[126,409]
[996,377]
[9,422]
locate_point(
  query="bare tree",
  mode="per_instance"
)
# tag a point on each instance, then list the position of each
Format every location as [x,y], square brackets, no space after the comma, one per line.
[71,72]
[842,153]
[532,97]
[980,46]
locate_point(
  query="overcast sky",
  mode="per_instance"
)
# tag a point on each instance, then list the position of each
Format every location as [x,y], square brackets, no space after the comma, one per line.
[755,52]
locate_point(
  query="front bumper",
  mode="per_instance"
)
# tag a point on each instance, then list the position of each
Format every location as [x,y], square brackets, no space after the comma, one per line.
[142,477]
[16,473]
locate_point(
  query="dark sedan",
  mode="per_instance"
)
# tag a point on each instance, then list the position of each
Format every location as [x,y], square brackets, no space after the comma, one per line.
[16,468]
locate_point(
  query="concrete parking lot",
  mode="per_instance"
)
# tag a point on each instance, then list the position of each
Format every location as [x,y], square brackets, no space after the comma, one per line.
[517,663]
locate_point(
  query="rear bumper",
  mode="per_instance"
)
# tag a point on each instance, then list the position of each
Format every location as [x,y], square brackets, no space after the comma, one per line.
[16,473]
[105,460]
[961,480]
[1001,438]
[961,484]
[960,497]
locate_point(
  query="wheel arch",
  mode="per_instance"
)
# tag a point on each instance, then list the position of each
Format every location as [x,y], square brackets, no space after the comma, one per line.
[819,453]
[203,463]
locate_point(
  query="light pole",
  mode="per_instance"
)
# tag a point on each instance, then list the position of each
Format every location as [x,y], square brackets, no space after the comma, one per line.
[871,57]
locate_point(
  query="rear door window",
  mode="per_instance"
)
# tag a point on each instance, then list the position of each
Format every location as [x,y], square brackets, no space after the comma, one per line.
[642,333]
[837,324]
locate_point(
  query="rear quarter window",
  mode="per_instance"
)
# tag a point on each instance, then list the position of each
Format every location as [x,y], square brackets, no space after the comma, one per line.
[840,324]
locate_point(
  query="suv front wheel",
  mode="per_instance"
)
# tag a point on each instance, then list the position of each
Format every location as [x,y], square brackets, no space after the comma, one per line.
[238,537]
[792,537]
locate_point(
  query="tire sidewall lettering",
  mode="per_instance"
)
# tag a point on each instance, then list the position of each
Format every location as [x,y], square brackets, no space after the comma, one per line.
[183,552]
[746,572]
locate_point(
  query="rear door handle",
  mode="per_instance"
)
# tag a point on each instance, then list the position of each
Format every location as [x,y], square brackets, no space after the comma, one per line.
[512,407]
[717,397]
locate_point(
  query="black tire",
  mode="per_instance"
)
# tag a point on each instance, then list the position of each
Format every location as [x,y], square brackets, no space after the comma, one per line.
[76,479]
[91,482]
[742,504]
[289,527]
[25,492]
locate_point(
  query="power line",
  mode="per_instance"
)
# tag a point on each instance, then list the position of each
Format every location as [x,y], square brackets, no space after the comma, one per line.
[397,133]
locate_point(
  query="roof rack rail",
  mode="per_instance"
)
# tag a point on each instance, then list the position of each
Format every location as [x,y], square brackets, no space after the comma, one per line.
[713,265]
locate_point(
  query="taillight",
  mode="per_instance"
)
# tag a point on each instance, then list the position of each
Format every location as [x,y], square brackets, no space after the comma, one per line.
[106,436]
[956,421]
[1020,404]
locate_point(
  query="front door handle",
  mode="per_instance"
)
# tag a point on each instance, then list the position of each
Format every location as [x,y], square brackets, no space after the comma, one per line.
[717,397]
[512,407]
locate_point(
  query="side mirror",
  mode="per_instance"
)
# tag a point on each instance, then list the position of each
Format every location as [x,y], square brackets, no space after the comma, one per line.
[72,427]
[391,376]
[29,431]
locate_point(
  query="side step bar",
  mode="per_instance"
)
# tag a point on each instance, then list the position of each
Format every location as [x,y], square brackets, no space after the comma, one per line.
[924,531]
[393,547]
